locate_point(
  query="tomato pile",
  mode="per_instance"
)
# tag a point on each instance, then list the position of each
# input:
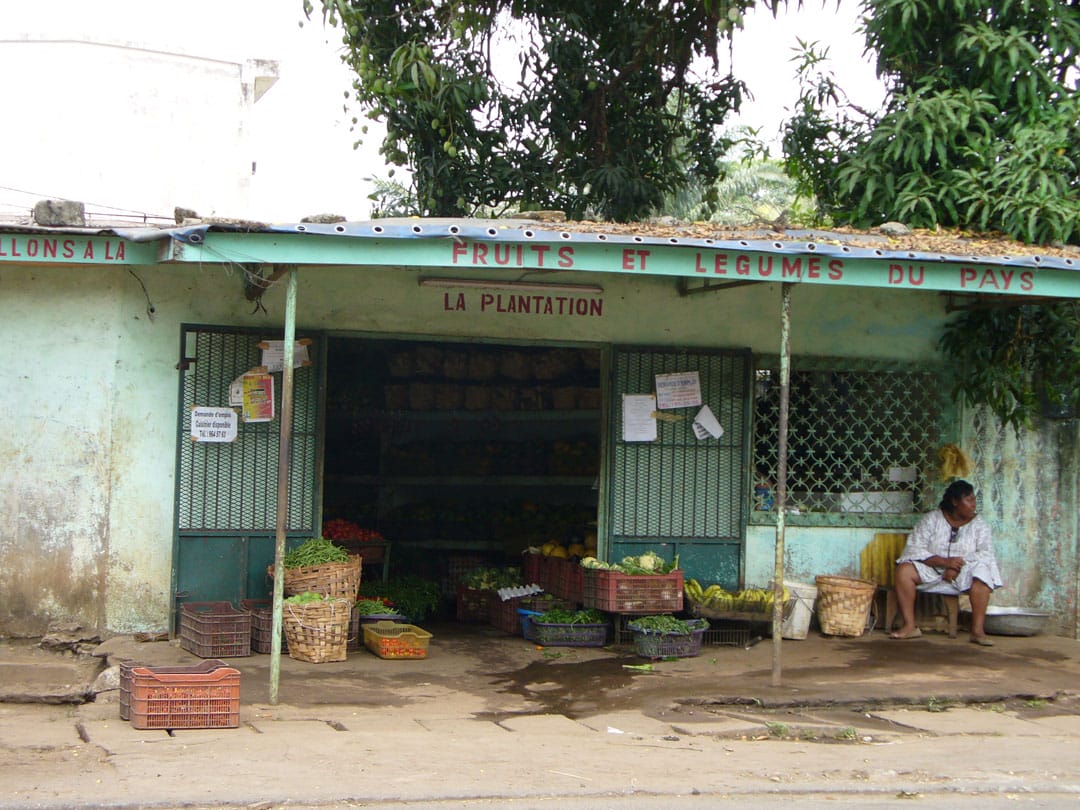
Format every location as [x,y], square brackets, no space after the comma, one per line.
[341,529]
[399,648]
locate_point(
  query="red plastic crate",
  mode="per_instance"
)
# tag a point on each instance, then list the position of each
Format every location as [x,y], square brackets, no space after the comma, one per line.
[615,592]
[172,700]
[545,573]
[530,568]
[504,614]
[125,678]
[215,630]
[569,581]
[472,604]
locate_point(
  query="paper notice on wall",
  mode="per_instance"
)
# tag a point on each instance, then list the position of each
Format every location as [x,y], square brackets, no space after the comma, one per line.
[903,474]
[706,425]
[678,390]
[258,393]
[639,424]
[213,424]
[273,354]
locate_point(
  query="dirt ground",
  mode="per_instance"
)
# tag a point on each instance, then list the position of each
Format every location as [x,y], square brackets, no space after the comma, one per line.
[487,717]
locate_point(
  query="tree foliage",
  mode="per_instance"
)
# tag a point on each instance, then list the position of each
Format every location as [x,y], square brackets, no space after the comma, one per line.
[1017,361]
[981,129]
[601,113]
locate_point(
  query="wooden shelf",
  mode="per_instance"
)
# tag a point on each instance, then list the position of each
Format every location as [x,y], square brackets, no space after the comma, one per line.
[466,480]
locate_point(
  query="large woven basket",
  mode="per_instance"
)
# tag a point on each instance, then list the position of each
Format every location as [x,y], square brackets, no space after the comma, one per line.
[843,605]
[318,632]
[336,580]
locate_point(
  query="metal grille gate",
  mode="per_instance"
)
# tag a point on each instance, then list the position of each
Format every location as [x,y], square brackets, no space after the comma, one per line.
[682,494]
[226,503]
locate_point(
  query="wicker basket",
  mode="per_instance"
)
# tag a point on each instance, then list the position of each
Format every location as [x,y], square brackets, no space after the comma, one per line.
[843,605]
[336,580]
[318,632]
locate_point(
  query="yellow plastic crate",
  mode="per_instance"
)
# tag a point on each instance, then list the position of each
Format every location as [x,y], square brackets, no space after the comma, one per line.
[396,640]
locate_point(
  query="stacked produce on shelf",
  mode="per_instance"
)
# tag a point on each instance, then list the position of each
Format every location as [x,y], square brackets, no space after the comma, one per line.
[520,523]
[480,458]
[341,529]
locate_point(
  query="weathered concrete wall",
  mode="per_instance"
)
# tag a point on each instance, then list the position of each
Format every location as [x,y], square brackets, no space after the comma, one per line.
[90,400]
[1029,489]
[59,332]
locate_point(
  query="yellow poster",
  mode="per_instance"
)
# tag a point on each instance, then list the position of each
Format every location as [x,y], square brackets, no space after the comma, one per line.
[258,404]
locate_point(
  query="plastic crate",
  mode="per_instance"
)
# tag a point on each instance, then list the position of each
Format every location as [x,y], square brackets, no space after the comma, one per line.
[394,640]
[657,644]
[125,678]
[530,568]
[615,592]
[215,630]
[357,621]
[549,634]
[567,579]
[503,615]
[472,604]
[528,628]
[543,602]
[172,700]
[262,625]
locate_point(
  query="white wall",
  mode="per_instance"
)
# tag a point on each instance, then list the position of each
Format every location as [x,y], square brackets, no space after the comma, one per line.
[139,107]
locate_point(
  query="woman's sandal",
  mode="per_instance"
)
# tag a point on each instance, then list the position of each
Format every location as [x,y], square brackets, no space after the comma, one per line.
[916,633]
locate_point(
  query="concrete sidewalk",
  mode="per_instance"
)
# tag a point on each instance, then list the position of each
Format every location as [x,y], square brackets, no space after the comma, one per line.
[489,716]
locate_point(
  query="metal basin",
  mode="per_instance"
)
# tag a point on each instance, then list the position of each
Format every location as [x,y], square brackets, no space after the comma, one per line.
[1015,621]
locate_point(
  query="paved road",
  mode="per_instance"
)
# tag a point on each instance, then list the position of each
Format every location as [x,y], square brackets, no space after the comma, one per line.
[62,756]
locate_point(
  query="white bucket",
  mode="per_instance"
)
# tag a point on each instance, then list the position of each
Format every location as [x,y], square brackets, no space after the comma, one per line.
[797,623]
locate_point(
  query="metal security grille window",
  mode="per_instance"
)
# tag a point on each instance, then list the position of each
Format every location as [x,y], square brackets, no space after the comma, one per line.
[232,487]
[862,442]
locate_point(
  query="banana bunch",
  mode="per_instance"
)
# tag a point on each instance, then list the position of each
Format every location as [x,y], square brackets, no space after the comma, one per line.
[714,597]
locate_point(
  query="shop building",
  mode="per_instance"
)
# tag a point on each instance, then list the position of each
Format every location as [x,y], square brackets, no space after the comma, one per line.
[473,388]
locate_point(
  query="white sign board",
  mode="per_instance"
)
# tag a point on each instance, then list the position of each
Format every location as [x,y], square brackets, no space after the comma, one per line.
[273,354]
[639,423]
[706,425]
[213,424]
[679,390]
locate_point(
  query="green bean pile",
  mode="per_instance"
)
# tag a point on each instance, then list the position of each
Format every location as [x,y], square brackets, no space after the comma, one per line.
[316,551]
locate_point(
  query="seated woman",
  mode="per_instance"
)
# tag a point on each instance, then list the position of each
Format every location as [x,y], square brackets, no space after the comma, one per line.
[949,552]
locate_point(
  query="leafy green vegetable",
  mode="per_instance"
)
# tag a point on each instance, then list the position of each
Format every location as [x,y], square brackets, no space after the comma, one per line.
[306,597]
[316,551]
[666,624]
[563,616]
[374,607]
[412,596]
